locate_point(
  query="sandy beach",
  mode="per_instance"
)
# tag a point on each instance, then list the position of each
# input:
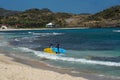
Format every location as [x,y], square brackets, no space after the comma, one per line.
[11,70]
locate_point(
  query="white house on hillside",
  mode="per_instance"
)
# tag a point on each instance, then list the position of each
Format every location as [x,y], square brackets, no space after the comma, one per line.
[3,27]
[50,25]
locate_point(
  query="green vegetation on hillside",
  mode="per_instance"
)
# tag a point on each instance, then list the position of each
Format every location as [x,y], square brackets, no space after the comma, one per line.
[38,18]
[34,18]
[107,18]
[111,13]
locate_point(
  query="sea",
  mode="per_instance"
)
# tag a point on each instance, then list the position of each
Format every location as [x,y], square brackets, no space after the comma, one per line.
[88,50]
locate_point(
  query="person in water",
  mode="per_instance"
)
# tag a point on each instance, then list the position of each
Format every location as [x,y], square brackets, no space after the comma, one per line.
[51,45]
[58,46]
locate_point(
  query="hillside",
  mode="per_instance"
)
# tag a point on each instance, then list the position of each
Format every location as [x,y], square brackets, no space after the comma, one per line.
[4,12]
[34,18]
[112,13]
[38,18]
[107,18]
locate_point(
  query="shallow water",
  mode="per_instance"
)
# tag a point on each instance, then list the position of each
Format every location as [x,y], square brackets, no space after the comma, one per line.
[88,50]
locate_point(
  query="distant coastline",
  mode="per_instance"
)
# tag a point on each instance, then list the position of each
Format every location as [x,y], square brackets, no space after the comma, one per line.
[38,18]
[19,29]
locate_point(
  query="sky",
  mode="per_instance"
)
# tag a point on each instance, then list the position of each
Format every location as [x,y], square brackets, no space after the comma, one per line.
[70,6]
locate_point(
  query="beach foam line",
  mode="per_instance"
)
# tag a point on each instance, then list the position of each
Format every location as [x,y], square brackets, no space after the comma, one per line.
[71,59]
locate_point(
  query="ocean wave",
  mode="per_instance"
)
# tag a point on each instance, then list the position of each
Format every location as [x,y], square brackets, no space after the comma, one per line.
[116,30]
[16,39]
[30,32]
[47,34]
[70,59]
[4,43]
[3,33]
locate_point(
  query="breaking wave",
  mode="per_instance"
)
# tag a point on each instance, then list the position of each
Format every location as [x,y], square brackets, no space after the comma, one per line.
[70,59]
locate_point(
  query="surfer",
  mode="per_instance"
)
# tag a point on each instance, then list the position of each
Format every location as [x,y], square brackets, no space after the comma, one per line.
[54,50]
[51,45]
[58,46]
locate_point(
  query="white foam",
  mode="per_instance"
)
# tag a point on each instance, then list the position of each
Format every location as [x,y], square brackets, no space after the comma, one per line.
[84,61]
[116,30]
[29,32]
[24,49]
[47,34]
[54,33]
[25,38]
[16,39]
[71,59]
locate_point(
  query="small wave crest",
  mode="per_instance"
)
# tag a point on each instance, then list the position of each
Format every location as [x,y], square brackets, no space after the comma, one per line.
[116,30]
[16,39]
[71,59]
[47,34]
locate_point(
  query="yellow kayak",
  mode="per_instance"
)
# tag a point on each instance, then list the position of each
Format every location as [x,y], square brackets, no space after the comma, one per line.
[49,51]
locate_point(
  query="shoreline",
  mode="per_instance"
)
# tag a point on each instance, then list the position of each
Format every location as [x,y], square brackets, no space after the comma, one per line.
[19,29]
[11,69]
[43,66]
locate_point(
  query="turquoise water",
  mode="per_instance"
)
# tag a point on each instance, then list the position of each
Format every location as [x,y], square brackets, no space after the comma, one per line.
[94,50]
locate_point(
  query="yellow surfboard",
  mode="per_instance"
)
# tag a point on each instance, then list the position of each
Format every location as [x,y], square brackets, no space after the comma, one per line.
[49,51]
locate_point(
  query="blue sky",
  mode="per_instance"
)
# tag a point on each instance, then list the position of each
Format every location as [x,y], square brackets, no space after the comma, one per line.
[70,6]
